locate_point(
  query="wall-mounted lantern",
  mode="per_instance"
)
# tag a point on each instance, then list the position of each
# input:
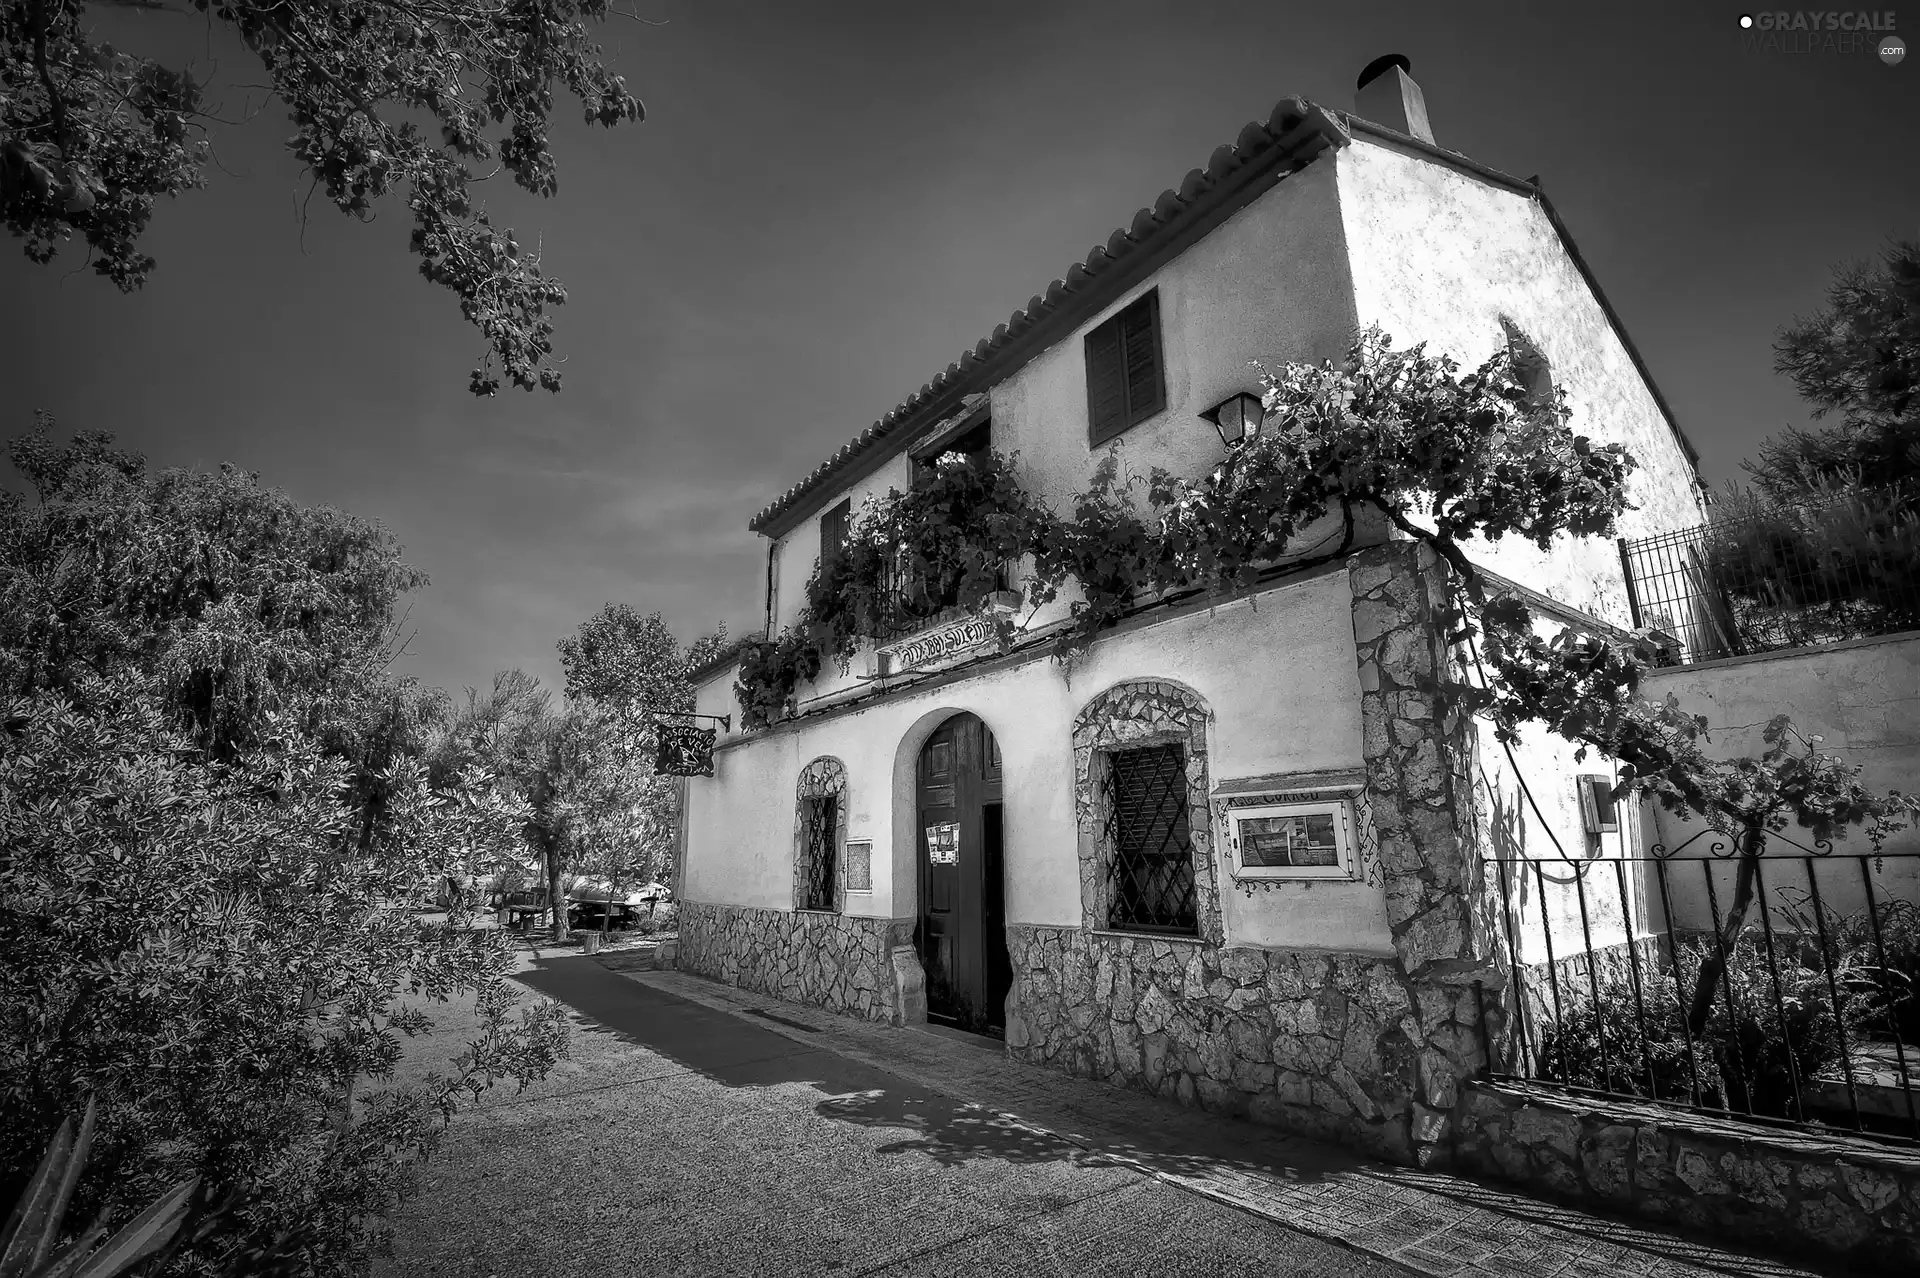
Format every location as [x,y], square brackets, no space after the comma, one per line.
[1237,418]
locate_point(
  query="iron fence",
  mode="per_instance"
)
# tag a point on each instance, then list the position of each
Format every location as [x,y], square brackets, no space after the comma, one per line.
[1780,989]
[1778,577]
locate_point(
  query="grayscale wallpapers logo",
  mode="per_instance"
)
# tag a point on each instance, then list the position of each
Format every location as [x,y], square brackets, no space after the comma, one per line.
[1823,31]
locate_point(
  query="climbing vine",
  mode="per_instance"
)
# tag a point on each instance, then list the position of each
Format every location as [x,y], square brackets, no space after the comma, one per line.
[1400,436]
[948,544]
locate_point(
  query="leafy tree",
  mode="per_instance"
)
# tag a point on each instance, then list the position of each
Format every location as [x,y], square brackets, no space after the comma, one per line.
[91,135]
[1826,545]
[588,801]
[212,812]
[1859,357]
[633,663]
[624,672]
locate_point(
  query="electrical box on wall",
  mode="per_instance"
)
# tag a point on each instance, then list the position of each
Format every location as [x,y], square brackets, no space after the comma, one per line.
[1598,812]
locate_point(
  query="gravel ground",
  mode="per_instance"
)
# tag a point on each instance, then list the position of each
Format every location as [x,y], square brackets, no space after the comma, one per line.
[689,1141]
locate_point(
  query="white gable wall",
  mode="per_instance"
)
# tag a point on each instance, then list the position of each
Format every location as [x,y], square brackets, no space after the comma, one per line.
[1439,255]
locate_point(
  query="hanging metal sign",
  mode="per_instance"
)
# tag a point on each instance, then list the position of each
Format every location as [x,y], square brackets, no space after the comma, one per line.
[684,751]
[943,843]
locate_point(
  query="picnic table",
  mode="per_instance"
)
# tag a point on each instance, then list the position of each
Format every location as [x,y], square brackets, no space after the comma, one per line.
[519,907]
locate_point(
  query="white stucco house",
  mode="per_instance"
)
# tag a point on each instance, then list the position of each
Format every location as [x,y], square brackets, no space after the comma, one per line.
[1225,858]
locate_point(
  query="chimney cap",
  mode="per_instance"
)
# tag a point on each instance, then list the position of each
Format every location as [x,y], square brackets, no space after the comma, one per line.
[1380,66]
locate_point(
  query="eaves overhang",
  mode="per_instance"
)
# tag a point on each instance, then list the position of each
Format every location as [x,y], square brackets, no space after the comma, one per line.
[1295,134]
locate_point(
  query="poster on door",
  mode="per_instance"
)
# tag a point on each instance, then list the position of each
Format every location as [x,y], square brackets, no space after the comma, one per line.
[943,843]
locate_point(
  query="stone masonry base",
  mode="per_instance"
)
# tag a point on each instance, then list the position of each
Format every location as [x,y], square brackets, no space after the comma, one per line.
[843,963]
[1326,1045]
[1786,1190]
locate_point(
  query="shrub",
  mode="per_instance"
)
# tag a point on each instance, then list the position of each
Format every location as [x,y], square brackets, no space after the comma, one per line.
[207,951]
[1750,1059]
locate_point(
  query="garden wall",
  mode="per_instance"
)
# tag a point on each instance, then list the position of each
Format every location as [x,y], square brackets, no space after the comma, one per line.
[1862,698]
[1769,1187]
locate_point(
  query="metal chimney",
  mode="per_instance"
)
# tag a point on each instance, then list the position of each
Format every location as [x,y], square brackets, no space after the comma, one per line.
[1387,95]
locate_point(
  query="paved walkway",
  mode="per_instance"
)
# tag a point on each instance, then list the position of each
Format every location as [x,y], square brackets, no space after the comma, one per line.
[1431,1224]
[701,1130]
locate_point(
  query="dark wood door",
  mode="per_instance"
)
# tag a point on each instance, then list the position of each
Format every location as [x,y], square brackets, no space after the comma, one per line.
[963,937]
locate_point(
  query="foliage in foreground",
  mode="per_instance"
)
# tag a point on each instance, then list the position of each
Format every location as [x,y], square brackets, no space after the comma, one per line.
[31,1247]
[91,136]
[214,812]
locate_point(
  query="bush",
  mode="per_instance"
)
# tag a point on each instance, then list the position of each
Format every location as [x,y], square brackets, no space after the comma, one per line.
[1842,564]
[1750,1059]
[205,950]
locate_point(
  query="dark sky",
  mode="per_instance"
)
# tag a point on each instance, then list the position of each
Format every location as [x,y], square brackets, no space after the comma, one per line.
[829,202]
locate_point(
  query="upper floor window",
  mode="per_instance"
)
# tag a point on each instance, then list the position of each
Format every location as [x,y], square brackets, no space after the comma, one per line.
[974,444]
[1126,377]
[833,533]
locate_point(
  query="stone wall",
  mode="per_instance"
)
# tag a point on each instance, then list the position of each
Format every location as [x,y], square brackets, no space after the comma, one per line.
[1442,903]
[840,962]
[1778,1189]
[1324,1044]
[1369,1050]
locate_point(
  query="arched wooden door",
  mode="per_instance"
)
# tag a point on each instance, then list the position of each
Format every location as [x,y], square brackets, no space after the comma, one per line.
[963,924]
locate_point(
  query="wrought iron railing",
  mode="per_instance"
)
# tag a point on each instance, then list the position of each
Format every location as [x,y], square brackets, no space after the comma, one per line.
[1782,989]
[919,602]
[1778,577]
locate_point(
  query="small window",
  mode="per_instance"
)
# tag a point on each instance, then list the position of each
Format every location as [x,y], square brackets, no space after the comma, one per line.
[833,534]
[1292,840]
[1126,380]
[1149,844]
[821,817]
[1598,812]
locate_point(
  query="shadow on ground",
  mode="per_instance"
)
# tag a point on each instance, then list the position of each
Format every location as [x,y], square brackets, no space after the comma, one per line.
[732,1051]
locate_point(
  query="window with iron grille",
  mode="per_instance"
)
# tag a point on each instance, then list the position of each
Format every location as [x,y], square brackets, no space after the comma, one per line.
[1149,843]
[1126,377]
[820,818]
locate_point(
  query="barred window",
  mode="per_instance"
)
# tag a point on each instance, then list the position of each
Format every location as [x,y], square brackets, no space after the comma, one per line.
[1149,841]
[819,832]
[821,823]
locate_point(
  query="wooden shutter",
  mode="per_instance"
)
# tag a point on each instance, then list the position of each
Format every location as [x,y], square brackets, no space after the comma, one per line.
[1106,384]
[1126,383]
[1140,347]
[833,533]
